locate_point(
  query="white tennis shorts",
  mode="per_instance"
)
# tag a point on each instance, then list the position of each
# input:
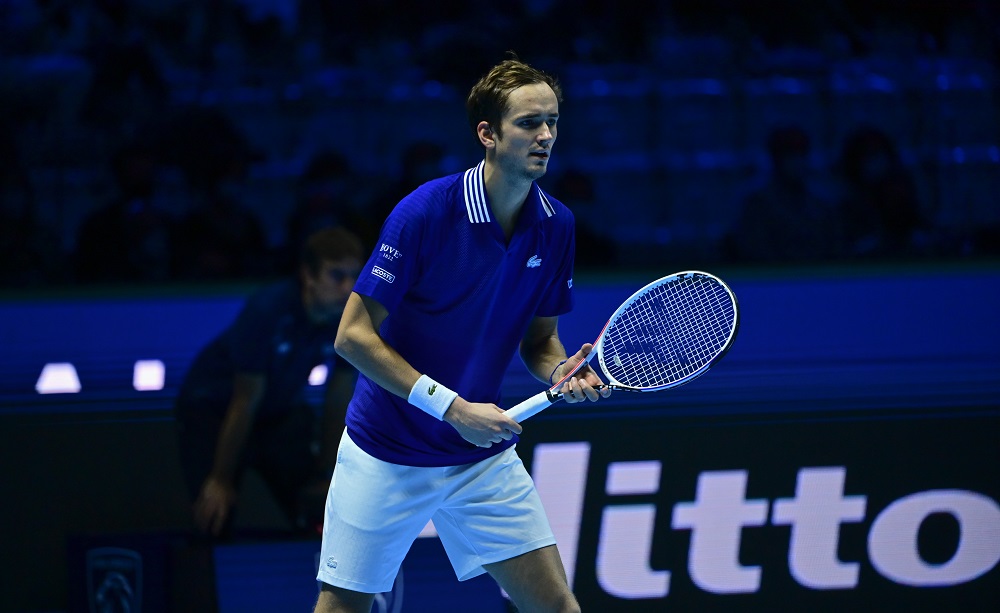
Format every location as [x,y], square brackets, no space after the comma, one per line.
[484,512]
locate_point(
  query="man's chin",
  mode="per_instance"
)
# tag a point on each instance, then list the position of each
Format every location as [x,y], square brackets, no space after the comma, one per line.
[537,171]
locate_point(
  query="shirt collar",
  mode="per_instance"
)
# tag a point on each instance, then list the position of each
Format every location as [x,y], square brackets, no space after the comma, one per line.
[477,206]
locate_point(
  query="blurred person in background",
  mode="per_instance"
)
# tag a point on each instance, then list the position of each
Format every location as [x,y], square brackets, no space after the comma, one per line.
[321,201]
[577,190]
[220,237]
[419,162]
[882,213]
[788,219]
[31,253]
[130,239]
[45,67]
[128,87]
[242,406]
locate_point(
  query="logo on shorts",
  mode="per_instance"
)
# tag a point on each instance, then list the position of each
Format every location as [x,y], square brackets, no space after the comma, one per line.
[331,563]
[534,261]
[383,274]
[432,389]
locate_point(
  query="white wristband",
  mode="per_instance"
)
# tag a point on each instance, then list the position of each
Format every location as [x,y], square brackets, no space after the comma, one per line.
[431,397]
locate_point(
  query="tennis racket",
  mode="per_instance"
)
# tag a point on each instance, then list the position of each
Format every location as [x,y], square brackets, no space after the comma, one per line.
[665,335]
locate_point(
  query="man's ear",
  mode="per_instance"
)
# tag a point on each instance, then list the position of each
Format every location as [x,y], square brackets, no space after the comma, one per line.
[486,136]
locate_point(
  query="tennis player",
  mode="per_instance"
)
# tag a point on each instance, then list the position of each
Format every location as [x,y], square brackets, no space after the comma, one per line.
[468,270]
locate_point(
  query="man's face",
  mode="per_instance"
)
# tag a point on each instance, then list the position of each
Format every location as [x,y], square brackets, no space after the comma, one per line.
[529,131]
[328,290]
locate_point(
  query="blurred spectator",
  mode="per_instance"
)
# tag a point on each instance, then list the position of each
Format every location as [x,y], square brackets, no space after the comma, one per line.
[788,219]
[242,404]
[127,86]
[204,143]
[44,69]
[882,214]
[79,78]
[222,238]
[267,27]
[322,196]
[129,239]
[419,162]
[30,252]
[340,29]
[595,247]
[986,241]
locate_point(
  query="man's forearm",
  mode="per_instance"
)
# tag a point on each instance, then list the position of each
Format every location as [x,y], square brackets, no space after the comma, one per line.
[542,358]
[248,389]
[232,438]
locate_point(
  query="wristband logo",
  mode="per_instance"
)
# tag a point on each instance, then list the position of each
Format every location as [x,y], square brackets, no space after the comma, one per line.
[430,390]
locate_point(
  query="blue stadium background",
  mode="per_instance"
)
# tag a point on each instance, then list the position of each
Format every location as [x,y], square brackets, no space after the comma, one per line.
[127,124]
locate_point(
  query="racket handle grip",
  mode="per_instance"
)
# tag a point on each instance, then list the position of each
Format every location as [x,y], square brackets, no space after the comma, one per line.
[531,406]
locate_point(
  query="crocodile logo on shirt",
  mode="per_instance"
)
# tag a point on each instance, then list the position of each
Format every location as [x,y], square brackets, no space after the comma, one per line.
[432,389]
[534,261]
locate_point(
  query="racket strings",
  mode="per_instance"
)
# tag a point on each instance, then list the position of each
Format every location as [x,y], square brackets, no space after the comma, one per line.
[669,333]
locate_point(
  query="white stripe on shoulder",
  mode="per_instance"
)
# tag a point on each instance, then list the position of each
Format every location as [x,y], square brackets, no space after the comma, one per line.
[549,209]
[475,195]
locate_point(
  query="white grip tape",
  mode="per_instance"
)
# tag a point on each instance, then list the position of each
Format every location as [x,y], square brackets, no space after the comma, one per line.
[431,397]
[530,407]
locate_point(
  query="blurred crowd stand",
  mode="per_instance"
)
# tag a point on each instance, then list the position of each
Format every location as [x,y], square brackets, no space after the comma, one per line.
[248,122]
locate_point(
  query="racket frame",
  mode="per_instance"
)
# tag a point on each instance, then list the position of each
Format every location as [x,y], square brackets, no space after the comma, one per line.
[599,346]
[542,400]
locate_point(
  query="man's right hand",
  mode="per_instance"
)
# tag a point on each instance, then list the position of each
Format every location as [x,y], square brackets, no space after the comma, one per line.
[479,423]
[214,504]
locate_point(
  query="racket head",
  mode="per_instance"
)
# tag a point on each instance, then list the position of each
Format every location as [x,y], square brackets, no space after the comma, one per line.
[669,332]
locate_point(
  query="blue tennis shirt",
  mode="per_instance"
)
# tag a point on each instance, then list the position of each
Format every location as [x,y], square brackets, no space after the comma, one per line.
[459,298]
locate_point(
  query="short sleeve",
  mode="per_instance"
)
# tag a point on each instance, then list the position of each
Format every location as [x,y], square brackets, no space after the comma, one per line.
[393,266]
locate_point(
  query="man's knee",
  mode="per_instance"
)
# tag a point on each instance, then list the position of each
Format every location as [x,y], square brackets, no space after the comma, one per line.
[567,604]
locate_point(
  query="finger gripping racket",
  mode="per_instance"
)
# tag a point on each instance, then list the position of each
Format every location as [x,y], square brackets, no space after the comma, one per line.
[665,335]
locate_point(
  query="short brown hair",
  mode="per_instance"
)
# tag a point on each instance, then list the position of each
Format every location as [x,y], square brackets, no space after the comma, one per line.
[330,244]
[489,98]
